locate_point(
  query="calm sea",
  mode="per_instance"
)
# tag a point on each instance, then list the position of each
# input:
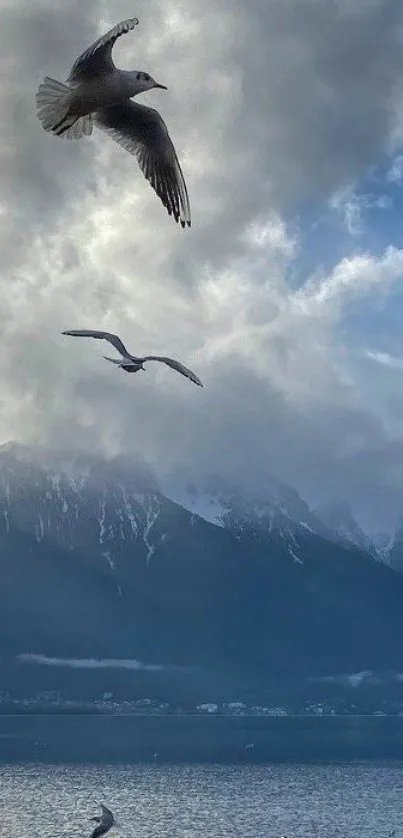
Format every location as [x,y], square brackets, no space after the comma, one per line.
[209,801]
[211,739]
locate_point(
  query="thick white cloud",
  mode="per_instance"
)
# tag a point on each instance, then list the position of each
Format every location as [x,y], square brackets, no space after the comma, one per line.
[271,105]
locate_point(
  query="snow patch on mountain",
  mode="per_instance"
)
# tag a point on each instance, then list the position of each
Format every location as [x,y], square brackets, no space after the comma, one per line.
[151,508]
[276,509]
[294,556]
[210,507]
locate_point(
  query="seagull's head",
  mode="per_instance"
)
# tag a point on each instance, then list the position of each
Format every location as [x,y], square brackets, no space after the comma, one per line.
[145,82]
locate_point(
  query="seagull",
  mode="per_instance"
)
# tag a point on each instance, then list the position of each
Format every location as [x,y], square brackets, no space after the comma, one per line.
[128,362]
[105,822]
[97,93]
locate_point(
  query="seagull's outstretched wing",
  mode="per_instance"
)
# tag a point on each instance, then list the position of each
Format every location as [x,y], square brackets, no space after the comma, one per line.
[175,365]
[107,813]
[97,59]
[142,132]
[91,333]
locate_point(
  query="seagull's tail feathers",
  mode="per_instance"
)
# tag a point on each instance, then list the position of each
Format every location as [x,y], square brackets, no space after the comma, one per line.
[113,361]
[53,105]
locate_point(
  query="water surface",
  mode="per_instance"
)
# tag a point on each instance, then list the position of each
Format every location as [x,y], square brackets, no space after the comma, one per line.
[197,739]
[209,801]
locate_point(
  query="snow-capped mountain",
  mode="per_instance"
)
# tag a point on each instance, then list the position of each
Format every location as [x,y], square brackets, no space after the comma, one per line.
[339,519]
[77,502]
[98,560]
[81,501]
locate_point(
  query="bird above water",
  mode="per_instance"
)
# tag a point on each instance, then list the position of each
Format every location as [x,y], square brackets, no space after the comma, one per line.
[99,94]
[105,822]
[132,363]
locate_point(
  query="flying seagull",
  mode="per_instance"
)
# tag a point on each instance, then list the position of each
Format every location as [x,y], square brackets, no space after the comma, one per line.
[105,822]
[98,93]
[128,362]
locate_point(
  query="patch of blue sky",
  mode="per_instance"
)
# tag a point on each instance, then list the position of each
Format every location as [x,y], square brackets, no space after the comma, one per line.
[365,217]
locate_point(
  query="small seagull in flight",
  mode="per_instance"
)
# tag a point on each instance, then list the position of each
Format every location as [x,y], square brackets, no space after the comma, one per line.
[128,362]
[98,93]
[105,822]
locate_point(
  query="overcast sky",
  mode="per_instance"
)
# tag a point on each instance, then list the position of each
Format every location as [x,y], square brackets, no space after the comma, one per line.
[285,296]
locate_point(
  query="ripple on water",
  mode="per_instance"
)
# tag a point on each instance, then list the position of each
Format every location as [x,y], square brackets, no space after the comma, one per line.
[39,801]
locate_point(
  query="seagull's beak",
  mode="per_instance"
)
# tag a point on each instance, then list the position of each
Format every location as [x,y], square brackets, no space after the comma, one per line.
[161,86]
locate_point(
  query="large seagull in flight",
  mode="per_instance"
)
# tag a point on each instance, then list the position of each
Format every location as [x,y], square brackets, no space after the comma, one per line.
[97,93]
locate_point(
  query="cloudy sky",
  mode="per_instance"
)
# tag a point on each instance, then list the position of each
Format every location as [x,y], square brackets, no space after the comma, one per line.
[285,296]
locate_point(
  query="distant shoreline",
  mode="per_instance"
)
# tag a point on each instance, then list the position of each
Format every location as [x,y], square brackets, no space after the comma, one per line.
[201,716]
